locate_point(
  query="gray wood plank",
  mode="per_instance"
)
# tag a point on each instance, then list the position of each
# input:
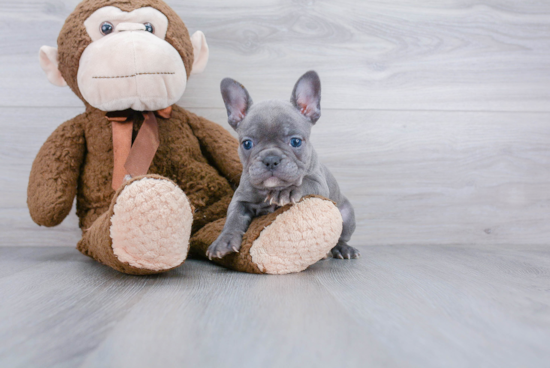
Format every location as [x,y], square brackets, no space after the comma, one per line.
[60,309]
[451,306]
[284,327]
[398,306]
[454,55]
[413,177]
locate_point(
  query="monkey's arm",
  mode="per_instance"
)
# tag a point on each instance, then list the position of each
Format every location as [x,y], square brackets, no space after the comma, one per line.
[54,174]
[219,147]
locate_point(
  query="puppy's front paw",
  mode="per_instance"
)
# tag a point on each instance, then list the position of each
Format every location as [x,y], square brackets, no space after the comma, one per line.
[285,196]
[290,195]
[344,251]
[225,244]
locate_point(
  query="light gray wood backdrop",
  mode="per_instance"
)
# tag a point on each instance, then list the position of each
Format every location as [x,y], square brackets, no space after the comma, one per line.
[435,113]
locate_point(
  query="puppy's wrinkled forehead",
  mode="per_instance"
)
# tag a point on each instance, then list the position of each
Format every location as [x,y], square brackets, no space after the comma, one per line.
[272,119]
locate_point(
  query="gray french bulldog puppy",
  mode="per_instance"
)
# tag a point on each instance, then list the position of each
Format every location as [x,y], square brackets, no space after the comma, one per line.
[280,165]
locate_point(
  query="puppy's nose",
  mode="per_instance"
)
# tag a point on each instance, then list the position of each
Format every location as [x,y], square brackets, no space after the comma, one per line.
[271,162]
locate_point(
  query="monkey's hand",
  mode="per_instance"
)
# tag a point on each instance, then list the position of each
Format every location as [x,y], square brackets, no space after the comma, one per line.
[55,172]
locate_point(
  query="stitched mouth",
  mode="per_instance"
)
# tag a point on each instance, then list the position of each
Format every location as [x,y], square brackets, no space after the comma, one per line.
[132,75]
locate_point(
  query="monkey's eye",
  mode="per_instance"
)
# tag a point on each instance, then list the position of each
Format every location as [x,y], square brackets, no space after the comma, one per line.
[247,144]
[295,142]
[106,28]
[149,27]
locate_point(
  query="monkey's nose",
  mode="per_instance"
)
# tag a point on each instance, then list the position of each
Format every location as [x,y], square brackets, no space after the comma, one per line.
[271,162]
[121,27]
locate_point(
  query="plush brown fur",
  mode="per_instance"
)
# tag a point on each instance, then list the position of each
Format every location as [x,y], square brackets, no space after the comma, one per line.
[198,155]
[77,159]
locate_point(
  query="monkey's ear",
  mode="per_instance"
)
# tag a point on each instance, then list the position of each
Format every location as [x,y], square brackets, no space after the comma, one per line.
[306,96]
[200,52]
[237,101]
[49,64]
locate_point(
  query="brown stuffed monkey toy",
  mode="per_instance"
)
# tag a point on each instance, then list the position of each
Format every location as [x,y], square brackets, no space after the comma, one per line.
[152,180]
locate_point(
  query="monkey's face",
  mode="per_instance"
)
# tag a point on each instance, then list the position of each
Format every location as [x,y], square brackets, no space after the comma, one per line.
[128,60]
[129,64]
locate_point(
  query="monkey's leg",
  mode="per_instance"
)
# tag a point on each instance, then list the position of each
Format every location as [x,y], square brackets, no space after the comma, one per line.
[288,240]
[146,229]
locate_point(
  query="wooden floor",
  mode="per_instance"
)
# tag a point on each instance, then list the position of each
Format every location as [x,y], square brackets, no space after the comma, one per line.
[398,306]
[436,123]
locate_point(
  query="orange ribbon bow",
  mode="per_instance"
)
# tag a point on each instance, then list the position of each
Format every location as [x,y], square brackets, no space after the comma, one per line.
[134,159]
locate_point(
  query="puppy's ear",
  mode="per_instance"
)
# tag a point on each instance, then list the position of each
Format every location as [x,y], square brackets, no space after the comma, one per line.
[237,101]
[306,96]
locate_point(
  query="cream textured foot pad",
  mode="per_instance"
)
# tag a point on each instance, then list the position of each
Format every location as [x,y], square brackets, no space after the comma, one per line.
[151,225]
[298,238]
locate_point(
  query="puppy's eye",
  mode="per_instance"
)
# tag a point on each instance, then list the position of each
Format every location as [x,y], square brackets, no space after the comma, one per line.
[149,27]
[247,144]
[106,28]
[295,142]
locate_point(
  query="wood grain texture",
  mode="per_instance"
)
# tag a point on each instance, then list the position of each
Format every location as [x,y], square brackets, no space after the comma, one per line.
[398,306]
[419,177]
[489,55]
[415,178]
